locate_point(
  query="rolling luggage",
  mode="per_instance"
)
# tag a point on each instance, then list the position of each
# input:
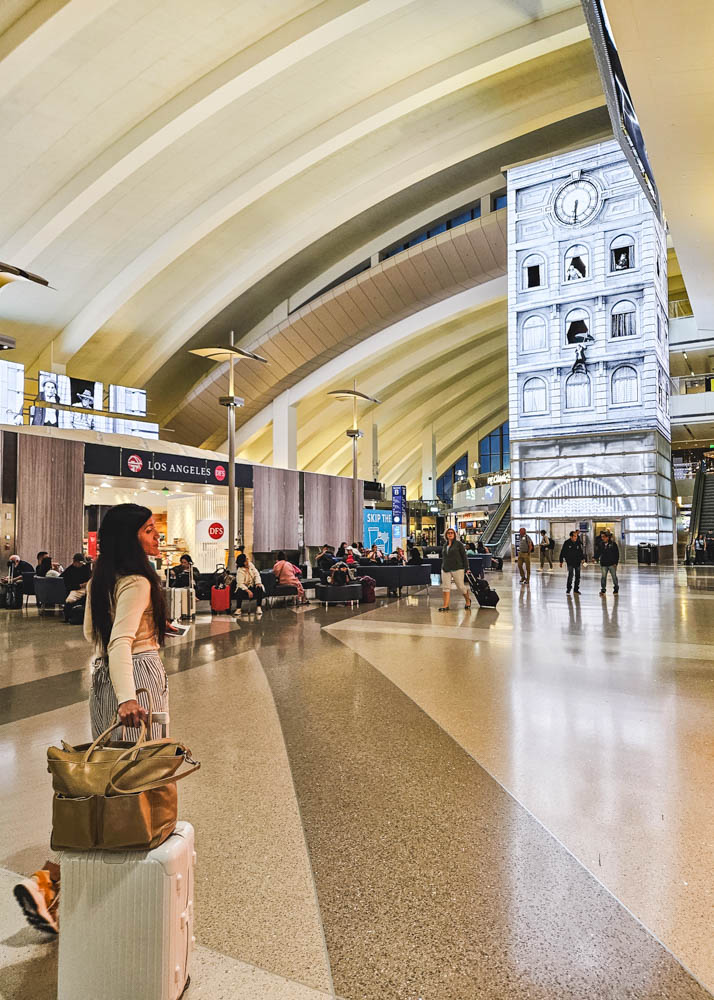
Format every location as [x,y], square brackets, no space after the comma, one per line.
[181,603]
[485,595]
[220,600]
[127,921]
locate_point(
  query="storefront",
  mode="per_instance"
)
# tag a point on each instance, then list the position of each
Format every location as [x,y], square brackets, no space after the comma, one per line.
[188,496]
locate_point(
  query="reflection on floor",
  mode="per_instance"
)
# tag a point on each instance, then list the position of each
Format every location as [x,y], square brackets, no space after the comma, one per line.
[503,804]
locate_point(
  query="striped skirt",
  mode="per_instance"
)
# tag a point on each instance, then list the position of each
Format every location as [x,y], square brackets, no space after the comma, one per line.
[149,673]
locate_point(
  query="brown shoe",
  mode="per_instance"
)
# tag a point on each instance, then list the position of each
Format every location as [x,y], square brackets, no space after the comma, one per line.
[38,896]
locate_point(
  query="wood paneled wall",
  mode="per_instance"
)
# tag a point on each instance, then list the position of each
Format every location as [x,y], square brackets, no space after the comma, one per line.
[276,508]
[50,497]
[328,509]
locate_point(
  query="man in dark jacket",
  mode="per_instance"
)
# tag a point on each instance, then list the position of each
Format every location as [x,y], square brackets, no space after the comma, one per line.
[609,558]
[572,553]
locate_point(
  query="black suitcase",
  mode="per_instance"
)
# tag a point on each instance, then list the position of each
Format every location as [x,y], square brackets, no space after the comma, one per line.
[485,595]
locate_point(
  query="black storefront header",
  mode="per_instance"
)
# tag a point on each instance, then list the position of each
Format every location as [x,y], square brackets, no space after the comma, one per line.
[104,460]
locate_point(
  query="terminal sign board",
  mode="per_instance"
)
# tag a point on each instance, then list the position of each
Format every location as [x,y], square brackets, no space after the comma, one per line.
[399,505]
[180,468]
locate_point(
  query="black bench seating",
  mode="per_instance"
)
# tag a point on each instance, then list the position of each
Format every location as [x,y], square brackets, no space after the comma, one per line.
[396,577]
[349,594]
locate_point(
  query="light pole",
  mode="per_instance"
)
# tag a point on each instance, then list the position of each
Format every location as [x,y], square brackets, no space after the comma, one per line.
[355,434]
[231,401]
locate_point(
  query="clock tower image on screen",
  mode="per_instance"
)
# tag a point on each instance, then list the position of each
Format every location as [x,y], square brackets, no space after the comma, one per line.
[588,352]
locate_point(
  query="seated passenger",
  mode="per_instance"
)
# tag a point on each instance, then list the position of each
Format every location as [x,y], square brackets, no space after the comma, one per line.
[76,577]
[44,563]
[339,575]
[15,568]
[185,574]
[248,585]
[286,575]
[324,561]
[415,558]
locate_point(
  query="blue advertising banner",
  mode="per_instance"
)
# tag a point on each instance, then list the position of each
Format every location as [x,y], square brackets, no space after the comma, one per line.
[399,505]
[378,529]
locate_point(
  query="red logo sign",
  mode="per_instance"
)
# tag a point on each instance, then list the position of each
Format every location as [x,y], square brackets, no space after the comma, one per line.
[135,463]
[215,530]
[220,473]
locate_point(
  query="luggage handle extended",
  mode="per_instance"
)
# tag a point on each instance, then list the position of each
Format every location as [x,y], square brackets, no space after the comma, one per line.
[145,729]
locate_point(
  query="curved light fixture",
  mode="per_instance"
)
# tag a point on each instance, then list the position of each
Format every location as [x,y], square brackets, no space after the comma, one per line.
[8,273]
[352,394]
[226,353]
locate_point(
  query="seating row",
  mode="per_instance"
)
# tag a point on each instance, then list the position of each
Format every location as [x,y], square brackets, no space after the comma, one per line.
[396,577]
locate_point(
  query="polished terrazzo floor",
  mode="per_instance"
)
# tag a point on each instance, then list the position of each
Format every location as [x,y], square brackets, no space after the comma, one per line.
[396,803]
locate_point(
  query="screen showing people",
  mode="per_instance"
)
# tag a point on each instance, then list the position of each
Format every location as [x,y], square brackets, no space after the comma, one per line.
[83,395]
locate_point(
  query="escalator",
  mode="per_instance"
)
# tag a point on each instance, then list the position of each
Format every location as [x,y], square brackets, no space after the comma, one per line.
[702,518]
[497,533]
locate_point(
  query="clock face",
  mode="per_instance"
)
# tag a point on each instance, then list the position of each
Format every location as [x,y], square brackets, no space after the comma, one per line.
[576,202]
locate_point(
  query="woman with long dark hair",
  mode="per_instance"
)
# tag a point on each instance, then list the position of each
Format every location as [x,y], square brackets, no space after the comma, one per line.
[125,617]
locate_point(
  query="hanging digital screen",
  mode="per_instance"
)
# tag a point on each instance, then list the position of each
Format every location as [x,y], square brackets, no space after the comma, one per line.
[12,392]
[125,399]
[83,395]
[619,102]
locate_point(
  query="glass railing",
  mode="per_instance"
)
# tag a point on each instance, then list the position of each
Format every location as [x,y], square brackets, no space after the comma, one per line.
[679,308]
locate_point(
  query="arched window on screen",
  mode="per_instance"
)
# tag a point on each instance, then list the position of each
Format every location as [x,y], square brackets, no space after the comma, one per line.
[577,391]
[577,263]
[533,269]
[534,335]
[535,395]
[577,327]
[622,253]
[624,316]
[625,385]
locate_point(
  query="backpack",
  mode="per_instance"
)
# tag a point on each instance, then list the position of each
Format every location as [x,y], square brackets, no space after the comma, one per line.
[551,546]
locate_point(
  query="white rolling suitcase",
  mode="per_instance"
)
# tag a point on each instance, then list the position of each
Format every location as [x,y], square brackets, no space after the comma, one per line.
[127,921]
[181,603]
[188,603]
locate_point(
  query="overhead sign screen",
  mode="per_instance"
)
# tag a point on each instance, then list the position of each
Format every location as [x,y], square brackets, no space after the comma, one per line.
[125,399]
[12,392]
[619,102]
[83,395]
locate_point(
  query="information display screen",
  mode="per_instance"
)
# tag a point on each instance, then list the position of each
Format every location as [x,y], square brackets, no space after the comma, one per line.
[12,392]
[81,394]
[125,399]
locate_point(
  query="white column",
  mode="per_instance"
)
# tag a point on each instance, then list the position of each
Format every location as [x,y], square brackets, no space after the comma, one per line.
[428,465]
[284,433]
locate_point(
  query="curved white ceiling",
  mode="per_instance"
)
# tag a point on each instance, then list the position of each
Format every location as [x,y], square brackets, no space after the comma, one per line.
[162,159]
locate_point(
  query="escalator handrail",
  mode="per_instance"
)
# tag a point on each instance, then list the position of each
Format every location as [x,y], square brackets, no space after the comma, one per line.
[496,519]
[697,499]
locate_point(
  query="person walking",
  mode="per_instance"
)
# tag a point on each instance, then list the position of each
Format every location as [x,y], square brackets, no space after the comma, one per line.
[525,547]
[609,558]
[546,550]
[125,618]
[454,563]
[573,554]
[700,550]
